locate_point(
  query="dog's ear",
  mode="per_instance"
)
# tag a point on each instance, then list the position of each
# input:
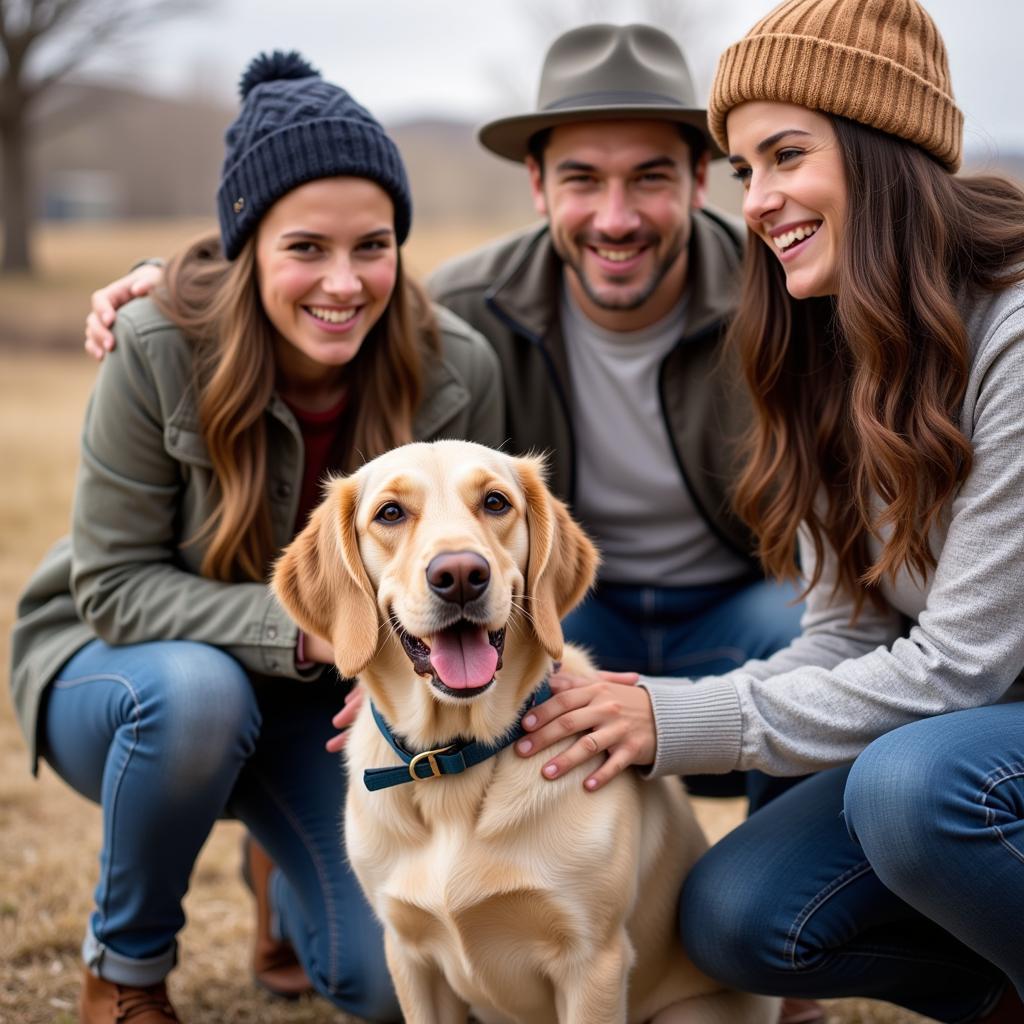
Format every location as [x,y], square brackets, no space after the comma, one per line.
[562,560]
[322,584]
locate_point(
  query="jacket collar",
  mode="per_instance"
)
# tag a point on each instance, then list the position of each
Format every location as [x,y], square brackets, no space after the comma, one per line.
[528,296]
[452,759]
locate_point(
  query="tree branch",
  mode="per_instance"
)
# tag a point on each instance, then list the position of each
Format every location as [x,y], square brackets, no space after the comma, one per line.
[71,31]
[77,24]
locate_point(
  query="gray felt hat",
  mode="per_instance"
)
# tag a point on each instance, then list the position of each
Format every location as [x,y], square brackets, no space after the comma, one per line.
[602,73]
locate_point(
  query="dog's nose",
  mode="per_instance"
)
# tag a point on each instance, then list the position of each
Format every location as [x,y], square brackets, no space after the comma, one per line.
[458,576]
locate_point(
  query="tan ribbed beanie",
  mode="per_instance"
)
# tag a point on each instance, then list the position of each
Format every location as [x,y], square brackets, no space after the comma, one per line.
[879,62]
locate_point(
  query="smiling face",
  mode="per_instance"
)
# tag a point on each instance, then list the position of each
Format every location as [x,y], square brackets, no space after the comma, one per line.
[444,541]
[795,194]
[327,262]
[440,573]
[618,196]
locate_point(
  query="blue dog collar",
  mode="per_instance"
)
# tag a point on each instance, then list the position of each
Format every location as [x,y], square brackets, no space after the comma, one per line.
[450,760]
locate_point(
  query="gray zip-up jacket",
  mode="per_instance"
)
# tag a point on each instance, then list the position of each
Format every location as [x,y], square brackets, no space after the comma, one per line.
[820,701]
[144,488]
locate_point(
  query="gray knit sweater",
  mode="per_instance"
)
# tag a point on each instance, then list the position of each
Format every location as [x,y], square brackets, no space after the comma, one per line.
[820,701]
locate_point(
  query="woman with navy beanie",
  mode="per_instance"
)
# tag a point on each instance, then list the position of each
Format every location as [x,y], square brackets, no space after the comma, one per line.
[151,666]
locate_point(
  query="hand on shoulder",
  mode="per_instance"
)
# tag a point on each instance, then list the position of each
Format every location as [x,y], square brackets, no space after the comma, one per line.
[99,336]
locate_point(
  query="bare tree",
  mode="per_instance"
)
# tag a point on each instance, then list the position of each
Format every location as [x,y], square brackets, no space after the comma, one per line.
[42,41]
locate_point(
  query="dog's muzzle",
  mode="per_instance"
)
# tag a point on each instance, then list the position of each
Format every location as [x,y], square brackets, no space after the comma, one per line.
[460,660]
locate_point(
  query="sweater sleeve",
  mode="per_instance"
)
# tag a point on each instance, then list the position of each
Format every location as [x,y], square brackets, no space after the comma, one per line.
[127,579]
[820,701]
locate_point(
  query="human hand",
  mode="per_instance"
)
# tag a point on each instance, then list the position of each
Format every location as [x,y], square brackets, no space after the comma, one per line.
[608,709]
[316,648]
[344,718]
[99,339]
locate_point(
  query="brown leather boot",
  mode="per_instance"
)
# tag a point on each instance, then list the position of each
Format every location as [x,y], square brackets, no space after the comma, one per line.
[274,963]
[106,1002]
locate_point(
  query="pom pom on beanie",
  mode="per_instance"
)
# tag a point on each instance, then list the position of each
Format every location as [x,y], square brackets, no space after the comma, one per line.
[294,127]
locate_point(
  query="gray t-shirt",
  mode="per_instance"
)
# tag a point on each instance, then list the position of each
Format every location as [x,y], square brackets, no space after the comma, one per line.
[630,494]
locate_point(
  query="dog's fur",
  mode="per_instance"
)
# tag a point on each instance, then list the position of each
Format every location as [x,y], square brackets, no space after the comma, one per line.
[524,900]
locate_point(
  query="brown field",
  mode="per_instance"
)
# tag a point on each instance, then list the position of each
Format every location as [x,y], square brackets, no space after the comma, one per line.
[48,834]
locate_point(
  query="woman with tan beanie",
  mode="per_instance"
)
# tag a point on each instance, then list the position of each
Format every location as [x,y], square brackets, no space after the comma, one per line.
[881,335]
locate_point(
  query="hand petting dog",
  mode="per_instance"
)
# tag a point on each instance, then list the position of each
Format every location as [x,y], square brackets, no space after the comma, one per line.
[612,716]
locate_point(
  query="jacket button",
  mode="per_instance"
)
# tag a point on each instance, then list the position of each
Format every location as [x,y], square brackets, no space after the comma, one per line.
[284,489]
[271,632]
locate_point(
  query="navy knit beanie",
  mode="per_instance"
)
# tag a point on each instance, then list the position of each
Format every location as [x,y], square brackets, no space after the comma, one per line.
[294,127]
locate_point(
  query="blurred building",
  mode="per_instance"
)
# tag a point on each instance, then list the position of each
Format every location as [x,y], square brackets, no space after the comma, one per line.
[102,151]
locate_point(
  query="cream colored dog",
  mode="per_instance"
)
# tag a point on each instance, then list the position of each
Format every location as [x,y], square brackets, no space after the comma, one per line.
[440,573]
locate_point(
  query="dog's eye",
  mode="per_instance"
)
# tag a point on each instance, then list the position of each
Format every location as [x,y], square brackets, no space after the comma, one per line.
[392,512]
[496,503]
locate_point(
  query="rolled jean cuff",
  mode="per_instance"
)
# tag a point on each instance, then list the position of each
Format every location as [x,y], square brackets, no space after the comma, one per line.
[110,965]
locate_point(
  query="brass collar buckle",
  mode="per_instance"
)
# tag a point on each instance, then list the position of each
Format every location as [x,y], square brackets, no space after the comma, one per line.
[431,758]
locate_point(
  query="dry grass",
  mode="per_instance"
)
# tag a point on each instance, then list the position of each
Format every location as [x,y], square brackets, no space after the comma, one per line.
[48,835]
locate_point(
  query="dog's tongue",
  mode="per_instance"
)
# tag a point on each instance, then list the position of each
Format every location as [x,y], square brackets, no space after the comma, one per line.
[463,657]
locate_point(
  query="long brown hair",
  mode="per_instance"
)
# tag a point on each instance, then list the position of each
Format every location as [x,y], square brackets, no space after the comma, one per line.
[856,398]
[217,305]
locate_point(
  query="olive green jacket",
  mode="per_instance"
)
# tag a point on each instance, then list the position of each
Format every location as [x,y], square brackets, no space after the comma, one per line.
[144,487]
[510,291]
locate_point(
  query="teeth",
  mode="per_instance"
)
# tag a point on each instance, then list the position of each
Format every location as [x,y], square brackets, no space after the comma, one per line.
[617,255]
[332,316]
[784,241]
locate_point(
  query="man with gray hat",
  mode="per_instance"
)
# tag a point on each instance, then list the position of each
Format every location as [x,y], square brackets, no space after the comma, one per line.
[608,321]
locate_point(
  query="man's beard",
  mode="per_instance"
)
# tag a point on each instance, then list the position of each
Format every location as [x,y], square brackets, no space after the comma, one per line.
[628,301]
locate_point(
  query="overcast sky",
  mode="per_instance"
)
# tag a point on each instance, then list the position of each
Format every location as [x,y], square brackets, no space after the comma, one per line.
[478,59]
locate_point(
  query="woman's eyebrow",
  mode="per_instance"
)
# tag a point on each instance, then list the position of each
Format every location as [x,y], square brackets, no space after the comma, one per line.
[766,144]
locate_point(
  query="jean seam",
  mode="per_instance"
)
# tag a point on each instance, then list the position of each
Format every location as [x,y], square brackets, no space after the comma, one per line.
[334,944]
[65,684]
[848,877]
[1001,776]
[809,909]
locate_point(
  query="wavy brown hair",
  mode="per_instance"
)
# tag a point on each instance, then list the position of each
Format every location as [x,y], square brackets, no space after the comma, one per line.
[217,305]
[856,398]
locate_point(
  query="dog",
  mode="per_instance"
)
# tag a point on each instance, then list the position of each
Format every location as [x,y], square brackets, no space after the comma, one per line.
[440,573]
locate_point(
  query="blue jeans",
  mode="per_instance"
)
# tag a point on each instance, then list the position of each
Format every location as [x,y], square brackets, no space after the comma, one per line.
[899,878]
[684,631]
[690,631]
[169,736]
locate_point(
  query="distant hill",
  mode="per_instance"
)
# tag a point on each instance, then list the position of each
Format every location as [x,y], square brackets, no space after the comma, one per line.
[104,151]
[1010,164]
[108,151]
[453,176]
